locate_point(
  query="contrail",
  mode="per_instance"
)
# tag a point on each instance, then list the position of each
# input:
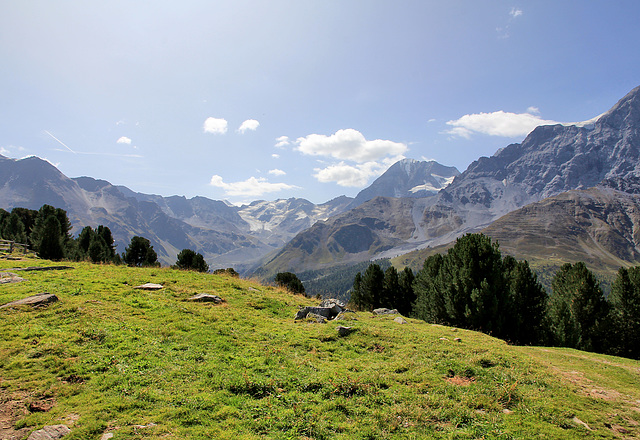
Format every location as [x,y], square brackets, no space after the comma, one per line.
[60,142]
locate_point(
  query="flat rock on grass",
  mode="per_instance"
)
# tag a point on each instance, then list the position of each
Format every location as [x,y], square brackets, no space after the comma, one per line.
[41,299]
[149,286]
[52,432]
[8,278]
[384,311]
[206,297]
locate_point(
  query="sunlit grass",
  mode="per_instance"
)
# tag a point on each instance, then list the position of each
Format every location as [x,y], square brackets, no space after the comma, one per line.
[113,358]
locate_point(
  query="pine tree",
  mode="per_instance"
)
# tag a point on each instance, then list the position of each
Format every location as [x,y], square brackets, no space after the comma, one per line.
[577,309]
[429,302]
[51,246]
[526,304]
[625,313]
[140,253]
[405,297]
[371,287]
[190,260]
[390,289]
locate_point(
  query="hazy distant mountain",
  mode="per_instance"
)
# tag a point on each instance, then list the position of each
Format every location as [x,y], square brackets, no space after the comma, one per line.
[551,160]
[228,236]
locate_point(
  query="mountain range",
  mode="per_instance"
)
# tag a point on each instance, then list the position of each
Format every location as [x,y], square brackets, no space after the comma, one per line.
[227,235]
[532,196]
[551,160]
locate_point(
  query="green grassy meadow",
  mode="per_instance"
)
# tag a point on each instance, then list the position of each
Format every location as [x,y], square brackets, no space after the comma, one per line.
[147,364]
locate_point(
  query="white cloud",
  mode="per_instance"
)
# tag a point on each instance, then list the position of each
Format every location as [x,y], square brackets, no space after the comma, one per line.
[275,156]
[215,125]
[498,123]
[282,141]
[357,175]
[249,124]
[124,140]
[348,144]
[251,187]
[515,12]
[533,110]
[4,151]
[277,172]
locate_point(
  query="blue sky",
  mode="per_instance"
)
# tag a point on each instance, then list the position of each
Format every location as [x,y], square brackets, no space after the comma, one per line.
[246,100]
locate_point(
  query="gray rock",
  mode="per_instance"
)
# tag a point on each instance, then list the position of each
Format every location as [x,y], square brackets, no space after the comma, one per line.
[41,299]
[325,312]
[314,317]
[149,286]
[344,331]
[333,302]
[52,432]
[9,278]
[106,436]
[400,320]
[384,311]
[205,297]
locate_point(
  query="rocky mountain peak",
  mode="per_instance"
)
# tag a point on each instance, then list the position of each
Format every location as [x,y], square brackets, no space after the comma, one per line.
[408,178]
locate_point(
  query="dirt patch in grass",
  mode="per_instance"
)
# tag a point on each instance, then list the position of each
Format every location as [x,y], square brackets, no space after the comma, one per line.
[460,381]
[13,406]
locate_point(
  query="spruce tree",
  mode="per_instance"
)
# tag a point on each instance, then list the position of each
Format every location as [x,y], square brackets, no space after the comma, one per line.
[405,297]
[577,309]
[50,245]
[625,313]
[390,289]
[140,253]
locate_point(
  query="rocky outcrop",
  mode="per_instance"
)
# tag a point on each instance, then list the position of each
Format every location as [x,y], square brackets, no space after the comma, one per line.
[206,297]
[328,309]
[39,300]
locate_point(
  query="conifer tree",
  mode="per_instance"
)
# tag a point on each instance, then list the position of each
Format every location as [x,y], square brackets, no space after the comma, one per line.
[577,309]
[405,296]
[50,245]
[140,253]
[625,313]
[190,260]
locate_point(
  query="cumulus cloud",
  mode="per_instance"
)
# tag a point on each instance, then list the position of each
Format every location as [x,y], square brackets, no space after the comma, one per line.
[515,12]
[215,125]
[249,124]
[348,144]
[275,156]
[357,175]
[282,141]
[124,140]
[252,187]
[498,123]
[277,172]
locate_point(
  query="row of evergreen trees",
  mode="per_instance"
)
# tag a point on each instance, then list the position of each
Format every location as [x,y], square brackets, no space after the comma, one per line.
[47,231]
[473,286]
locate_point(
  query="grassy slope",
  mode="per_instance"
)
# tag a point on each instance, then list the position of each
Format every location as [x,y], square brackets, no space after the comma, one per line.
[108,358]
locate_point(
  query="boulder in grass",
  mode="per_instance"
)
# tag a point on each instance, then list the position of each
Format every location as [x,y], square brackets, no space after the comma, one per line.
[39,300]
[344,331]
[149,286]
[52,432]
[400,320]
[206,297]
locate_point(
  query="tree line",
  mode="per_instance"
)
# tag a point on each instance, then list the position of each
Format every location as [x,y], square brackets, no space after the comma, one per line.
[473,286]
[47,231]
